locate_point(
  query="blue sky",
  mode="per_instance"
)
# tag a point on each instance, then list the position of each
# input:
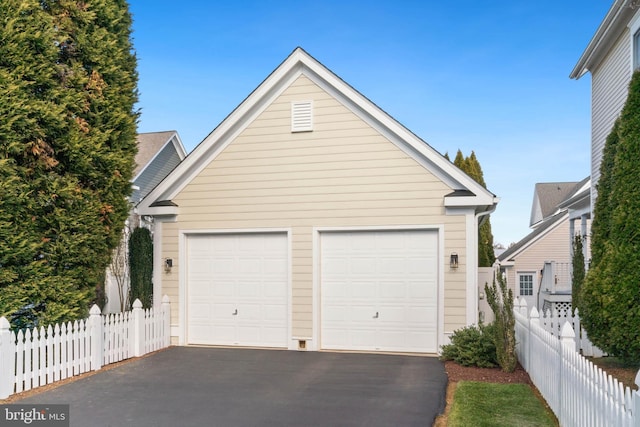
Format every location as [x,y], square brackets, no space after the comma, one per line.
[489,76]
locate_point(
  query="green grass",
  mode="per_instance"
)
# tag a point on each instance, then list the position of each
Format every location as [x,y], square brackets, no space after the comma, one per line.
[478,404]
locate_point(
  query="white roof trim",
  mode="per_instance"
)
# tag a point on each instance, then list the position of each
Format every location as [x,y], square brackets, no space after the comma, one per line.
[611,20]
[298,63]
[555,225]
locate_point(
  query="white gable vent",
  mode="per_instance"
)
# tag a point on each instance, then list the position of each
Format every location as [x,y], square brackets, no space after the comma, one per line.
[301,116]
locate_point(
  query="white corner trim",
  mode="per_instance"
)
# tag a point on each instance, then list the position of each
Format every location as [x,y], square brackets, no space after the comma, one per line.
[472,269]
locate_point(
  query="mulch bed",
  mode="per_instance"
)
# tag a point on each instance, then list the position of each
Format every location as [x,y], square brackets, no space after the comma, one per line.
[491,375]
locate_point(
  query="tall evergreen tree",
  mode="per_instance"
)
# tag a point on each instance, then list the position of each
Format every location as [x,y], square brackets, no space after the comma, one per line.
[610,297]
[578,271]
[471,166]
[67,144]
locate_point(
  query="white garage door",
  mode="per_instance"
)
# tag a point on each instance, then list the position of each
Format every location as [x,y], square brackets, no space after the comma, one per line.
[237,289]
[379,290]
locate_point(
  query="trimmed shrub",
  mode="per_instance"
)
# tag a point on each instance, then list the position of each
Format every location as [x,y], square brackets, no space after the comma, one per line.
[141,266]
[472,346]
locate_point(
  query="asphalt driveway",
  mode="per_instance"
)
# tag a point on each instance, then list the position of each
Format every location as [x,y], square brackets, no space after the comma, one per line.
[188,386]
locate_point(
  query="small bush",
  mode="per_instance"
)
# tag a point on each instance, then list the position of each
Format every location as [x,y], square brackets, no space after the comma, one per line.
[472,346]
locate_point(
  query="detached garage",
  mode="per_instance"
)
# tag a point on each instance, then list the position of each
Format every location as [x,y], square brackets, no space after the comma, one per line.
[310,219]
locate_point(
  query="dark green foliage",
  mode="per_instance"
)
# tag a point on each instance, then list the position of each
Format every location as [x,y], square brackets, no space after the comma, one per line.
[500,299]
[141,266]
[471,166]
[472,346]
[610,298]
[577,278]
[67,144]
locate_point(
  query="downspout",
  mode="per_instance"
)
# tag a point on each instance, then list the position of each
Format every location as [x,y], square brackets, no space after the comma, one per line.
[480,218]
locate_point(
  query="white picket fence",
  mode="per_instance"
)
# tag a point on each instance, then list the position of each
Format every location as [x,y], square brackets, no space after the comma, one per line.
[552,322]
[578,392]
[36,357]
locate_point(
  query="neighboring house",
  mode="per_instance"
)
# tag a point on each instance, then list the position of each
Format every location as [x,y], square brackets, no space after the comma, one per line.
[158,154]
[311,219]
[611,57]
[538,267]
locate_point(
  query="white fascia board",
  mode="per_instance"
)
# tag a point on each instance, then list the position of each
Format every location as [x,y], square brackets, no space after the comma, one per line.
[593,49]
[465,201]
[179,146]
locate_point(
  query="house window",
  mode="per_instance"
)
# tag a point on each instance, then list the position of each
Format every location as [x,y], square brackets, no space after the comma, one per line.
[634,32]
[301,116]
[526,284]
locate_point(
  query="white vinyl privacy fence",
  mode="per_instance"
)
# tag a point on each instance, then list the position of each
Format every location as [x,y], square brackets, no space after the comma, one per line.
[578,392]
[35,357]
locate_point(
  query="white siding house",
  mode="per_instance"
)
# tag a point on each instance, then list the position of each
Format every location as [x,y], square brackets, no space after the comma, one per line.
[610,57]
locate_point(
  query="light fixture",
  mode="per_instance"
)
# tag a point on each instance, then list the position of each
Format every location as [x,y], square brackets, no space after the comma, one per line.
[453,261]
[168,263]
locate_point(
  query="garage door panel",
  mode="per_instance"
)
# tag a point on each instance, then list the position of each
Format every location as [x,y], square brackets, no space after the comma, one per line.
[219,288]
[245,274]
[272,289]
[392,290]
[379,290]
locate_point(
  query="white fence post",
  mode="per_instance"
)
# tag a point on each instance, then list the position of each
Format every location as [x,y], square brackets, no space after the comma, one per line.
[636,403]
[567,346]
[138,328]
[534,318]
[7,352]
[97,337]
[166,321]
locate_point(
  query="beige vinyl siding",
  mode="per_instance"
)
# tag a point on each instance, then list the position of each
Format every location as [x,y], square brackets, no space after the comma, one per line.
[609,88]
[342,174]
[554,246]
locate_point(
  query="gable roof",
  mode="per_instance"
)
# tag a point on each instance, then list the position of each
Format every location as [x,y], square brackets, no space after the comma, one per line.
[556,199]
[618,16]
[546,198]
[298,63]
[151,143]
[542,230]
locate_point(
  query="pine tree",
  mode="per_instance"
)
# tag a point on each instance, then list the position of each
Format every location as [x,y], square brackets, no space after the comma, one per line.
[610,298]
[471,166]
[67,144]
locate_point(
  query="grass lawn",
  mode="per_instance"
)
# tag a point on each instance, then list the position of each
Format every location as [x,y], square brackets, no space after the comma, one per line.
[480,404]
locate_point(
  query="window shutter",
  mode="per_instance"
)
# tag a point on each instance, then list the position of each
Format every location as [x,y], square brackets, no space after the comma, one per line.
[301,116]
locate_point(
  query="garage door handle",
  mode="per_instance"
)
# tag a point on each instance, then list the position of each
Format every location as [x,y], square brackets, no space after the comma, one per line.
[376,316]
[235,313]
